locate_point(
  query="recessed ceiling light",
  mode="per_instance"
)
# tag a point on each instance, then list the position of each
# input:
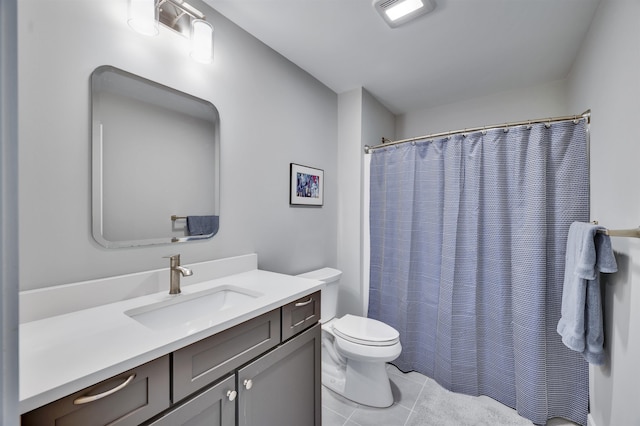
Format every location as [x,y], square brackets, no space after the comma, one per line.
[398,12]
[403,8]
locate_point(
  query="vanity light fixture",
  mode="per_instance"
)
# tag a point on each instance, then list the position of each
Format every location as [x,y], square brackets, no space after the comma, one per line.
[178,15]
[398,12]
[201,41]
[143,16]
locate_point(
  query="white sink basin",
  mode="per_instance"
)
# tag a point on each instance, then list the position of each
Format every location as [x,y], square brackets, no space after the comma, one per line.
[183,309]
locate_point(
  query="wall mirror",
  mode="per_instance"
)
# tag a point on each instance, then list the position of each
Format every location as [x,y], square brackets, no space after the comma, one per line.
[155,162]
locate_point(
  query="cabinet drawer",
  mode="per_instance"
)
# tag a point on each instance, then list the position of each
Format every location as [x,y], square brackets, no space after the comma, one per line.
[206,361]
[126,399]
[300,315]
[214,407]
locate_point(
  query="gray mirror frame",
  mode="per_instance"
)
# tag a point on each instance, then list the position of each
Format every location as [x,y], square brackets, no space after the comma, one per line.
[97,161]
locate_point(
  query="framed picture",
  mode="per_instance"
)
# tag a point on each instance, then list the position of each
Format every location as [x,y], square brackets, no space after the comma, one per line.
[306,186]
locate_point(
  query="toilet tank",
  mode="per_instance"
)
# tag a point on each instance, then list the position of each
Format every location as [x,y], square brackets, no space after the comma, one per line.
[329,295]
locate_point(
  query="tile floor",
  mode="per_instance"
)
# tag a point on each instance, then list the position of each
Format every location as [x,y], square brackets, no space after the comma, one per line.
[415,397]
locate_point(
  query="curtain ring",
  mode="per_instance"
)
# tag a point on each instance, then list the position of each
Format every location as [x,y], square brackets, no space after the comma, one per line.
[506,128]
[548,124]
[484,131]
[529,126]
[464,133]
[575,119]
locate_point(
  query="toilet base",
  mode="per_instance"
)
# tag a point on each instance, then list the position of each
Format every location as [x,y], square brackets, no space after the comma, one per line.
[365,383]
[333,377]
[368,383]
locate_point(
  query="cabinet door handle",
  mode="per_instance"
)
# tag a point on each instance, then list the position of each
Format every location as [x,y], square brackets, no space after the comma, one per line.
[299,304]
[90,398]
[248,383]
[231,394]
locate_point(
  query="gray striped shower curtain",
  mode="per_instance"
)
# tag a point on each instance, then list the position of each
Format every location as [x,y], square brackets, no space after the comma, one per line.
[468,237]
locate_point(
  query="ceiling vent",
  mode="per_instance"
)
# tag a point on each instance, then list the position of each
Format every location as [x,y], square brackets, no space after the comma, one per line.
[398,12]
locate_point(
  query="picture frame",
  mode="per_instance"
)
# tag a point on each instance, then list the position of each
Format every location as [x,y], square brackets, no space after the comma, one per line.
[306,186]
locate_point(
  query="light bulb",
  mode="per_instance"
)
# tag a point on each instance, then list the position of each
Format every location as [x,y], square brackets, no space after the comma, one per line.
[201,41]
[403,9]
[143,16]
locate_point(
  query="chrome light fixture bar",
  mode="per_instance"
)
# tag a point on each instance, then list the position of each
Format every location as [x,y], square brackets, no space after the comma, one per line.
[178,15]
[398,12]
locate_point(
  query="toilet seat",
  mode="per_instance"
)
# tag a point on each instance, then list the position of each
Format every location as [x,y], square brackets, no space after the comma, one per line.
[365,331]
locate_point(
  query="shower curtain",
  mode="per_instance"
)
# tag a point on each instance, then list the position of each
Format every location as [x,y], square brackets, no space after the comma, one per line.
[468,238]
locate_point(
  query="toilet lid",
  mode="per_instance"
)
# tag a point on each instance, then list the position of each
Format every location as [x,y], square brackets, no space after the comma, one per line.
[365,331]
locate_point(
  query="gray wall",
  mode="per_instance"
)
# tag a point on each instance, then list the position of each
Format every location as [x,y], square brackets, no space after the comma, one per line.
[9,379]
[546,100]
[362,121]
[271,113]
[605,78]
[348,248]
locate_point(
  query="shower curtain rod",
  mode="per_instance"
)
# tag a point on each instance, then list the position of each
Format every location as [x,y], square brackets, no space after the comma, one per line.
[387,142]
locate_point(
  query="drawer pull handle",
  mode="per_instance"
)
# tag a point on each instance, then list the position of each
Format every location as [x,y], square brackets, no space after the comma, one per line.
[86,399]
[231,394]
[248,383]
[299,304]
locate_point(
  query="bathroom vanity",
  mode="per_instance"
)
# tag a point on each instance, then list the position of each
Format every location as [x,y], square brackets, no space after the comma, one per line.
[254,361]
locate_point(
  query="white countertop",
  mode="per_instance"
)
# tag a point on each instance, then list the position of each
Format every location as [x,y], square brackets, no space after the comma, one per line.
[63,354]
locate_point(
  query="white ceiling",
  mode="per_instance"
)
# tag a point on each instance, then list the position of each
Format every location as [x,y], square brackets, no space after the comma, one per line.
[461,50]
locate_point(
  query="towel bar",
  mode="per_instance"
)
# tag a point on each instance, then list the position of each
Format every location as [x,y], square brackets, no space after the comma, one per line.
[175,217]
[632,233]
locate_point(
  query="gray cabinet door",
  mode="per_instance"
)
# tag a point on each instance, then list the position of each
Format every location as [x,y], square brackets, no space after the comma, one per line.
[214,407]
[283,386]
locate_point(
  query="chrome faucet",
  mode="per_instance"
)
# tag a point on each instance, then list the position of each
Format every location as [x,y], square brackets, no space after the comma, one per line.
[175,271]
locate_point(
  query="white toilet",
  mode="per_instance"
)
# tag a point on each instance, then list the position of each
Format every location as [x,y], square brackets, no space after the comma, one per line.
[354,349]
